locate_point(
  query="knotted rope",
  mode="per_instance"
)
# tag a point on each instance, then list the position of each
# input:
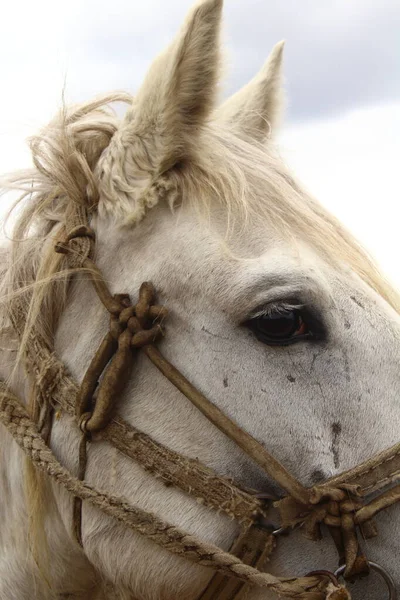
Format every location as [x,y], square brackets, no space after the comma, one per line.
[337,508]
[133,327]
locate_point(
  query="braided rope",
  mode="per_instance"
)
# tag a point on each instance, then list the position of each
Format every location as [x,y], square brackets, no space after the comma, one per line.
[24,431]
[56,387]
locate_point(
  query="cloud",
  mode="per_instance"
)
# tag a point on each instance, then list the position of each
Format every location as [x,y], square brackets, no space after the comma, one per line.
[339,55]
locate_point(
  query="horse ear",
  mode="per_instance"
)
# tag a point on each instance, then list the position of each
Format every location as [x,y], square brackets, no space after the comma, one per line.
[255,110]
[179,91]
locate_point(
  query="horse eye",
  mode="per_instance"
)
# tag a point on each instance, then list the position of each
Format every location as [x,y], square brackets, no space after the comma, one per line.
[280,328]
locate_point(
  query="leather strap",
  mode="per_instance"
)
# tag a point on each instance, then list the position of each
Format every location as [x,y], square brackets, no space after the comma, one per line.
[373,474]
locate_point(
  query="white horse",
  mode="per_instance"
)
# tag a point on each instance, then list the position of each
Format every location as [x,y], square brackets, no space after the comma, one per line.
[196,199]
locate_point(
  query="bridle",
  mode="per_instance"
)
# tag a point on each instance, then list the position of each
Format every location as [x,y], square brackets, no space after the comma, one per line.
[339,504]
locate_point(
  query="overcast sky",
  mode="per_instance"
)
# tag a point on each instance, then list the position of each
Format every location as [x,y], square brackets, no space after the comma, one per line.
[342,68]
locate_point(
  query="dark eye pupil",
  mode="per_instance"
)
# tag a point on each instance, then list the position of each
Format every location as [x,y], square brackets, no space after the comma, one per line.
[279,325]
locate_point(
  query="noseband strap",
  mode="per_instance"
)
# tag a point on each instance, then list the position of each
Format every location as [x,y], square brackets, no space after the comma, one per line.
[24,431]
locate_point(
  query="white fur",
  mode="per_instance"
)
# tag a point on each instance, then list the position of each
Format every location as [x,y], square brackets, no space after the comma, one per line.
[293,399]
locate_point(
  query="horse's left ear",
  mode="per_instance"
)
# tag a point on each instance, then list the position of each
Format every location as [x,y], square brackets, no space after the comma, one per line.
[256,109]
[178,94]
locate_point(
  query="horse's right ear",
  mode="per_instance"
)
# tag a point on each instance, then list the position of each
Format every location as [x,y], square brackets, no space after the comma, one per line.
[179,91]
[256,109]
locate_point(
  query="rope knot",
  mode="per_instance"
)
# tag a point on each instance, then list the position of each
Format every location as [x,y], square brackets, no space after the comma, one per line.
[146,336]
[325,505]
[337,593]
[141,319]
[81,231]
[131,327]
[336,508]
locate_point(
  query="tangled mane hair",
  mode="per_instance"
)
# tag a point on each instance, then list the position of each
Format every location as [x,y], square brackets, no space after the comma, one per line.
[35,281]
[79,160]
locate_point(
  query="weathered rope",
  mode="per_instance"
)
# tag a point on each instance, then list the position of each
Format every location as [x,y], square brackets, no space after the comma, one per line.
[57,388]
[115,378]
[137,335]
[385,500]
[336,508]
[373,474]
[244,440]
[254,547]
[189,475]
[24,431]
[339,504]
[136,323]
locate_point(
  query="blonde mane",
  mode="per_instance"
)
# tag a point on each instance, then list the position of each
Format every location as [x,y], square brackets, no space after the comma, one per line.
[76,161]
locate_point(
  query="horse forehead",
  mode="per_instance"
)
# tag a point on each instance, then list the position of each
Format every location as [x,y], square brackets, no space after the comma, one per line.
[247,253]
[181,250]
[236,272]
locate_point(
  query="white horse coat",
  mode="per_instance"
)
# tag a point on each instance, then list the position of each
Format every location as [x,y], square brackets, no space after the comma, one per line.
[211,216]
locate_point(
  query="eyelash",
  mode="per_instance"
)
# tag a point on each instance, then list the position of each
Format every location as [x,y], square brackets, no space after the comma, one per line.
[276,308]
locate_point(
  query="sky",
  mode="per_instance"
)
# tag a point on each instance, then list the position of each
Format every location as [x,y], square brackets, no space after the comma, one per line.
[342,69]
